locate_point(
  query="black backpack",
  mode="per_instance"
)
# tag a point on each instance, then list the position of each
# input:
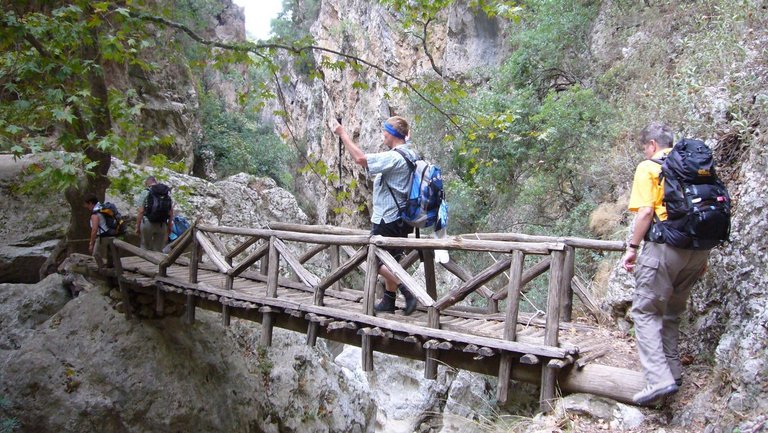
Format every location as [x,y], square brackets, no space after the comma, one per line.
[698,204]
[157,207]
[116,224]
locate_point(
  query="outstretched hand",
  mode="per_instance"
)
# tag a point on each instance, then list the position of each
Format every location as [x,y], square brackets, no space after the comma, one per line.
[335,126]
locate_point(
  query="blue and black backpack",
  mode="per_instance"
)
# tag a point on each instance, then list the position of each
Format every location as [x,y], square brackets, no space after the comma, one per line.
[180,225]
[425,196]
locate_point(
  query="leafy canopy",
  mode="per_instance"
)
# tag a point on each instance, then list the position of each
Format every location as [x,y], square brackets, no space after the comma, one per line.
[52,85]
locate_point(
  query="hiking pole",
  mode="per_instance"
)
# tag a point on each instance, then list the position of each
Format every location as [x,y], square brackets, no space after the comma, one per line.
[341,151]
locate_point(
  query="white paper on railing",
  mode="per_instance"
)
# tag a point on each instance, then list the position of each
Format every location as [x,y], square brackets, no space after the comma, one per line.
[441,256]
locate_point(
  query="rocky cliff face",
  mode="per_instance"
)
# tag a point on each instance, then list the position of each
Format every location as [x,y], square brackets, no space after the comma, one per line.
[169,93]
[659,60]
[664,57]
[79,366]
[461,40]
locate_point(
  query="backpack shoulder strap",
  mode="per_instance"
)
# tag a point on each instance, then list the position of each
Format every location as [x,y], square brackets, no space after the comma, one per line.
[660,161]
[411,164]
[411,168]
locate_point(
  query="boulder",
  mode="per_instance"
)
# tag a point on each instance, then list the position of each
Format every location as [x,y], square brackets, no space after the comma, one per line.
[31,224]
[80,366]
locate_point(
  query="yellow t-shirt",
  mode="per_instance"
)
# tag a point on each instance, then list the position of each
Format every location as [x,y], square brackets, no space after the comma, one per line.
[646,190]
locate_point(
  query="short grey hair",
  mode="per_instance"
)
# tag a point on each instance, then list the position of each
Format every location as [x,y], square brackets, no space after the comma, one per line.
[659,132]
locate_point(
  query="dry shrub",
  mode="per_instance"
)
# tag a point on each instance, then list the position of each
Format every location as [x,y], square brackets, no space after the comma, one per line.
[607,218]
[602,276]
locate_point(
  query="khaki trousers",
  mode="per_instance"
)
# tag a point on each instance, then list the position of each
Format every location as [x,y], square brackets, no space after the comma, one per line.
[101,252]
[664,277]
[153,235]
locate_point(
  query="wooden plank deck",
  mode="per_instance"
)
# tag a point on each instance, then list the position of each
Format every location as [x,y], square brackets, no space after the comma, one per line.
[465,338]
[245,289]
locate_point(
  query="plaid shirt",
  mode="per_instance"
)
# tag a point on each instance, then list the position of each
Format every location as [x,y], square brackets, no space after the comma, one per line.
[389,170]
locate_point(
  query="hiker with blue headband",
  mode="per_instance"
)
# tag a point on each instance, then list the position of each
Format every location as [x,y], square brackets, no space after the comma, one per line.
[391,182]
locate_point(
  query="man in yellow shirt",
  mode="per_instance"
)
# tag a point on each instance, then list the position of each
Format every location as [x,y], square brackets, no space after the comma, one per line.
[664,275]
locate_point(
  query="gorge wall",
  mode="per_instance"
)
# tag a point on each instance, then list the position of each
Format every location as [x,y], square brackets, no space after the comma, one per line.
[701,67]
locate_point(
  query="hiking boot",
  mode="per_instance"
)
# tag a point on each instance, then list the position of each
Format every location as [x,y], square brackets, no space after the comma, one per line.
[653,392]
[679,382]
[410,300]
[387,303]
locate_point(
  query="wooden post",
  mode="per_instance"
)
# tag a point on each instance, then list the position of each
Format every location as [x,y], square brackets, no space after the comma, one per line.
[273,273]
[266,329]
[369,299]
[430,368]
[312,330]
[159,300]
[273,268]
[190,314]
[566,309]
[548,388]
[118,266]
[335,263]
[371,273]
[225,317]
[367,352]
[510,323]
[429,273]
[513,295]
[552,327]
[493,306]
[554,299]
[264,265]
[195,257]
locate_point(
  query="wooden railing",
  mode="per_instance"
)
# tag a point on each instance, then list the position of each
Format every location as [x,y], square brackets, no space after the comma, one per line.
[259,252]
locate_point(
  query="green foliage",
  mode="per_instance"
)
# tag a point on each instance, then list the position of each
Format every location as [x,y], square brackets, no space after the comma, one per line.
[240,144]
[343,191]
[161,161]
[551,44]
[530,138]
[295,20]
[54,93]
[47,85]
[55,172]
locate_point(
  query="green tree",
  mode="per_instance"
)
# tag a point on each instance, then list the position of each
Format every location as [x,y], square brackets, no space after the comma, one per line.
[528,138]
[57,91]
[240,144]
[53,68]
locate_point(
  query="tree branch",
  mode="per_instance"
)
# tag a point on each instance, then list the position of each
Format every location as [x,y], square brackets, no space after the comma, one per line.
[426,49]
[256,49]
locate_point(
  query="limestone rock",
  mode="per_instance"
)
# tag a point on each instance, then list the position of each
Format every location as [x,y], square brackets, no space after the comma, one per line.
[460,40]
[619,416]
[30,227]
[469,404]
[82,367]
[457,401]
[24,309]
[403,397]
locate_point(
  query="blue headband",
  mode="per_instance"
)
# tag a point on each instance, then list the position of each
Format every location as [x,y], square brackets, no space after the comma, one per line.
[391,129]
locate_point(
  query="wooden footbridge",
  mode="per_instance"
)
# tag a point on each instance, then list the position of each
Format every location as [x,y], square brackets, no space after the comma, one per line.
[322,281]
